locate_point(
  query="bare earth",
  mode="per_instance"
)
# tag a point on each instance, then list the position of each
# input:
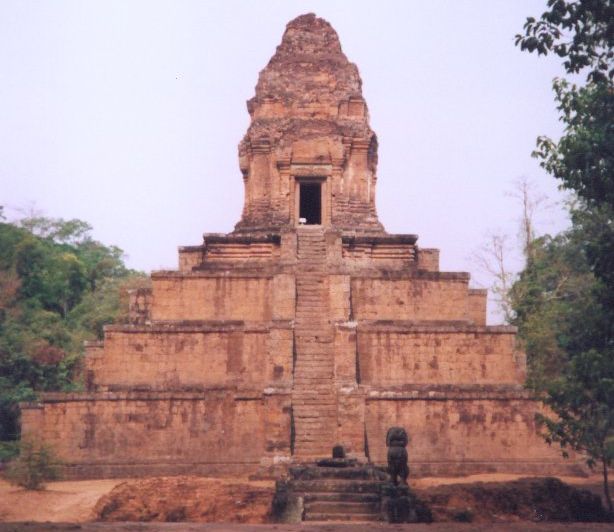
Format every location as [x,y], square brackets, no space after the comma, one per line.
[64,504]
[66,501]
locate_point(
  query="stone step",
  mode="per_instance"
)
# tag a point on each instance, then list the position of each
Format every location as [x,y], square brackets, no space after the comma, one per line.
[315,438]
[314,346]
[302,396]
[357,518]
[342,507]
[341,473]
[304,414]
[313,432]
[313,390]
[314,383]
[340,497]
[305,380]
[313,380]
[303,409]
[337,486]
[312,427]
[313,368]
[307,420]
[321,397]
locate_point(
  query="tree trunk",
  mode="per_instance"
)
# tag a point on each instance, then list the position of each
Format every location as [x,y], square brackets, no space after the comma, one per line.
[606,488]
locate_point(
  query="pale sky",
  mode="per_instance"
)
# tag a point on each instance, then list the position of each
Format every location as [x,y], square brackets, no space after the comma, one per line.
[127,114]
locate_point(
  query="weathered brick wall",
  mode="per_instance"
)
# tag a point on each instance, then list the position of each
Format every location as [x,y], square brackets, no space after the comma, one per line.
[190,256]
[450,434]
[92,362]
[428,259]
[179,357]
[194,297]
[477,305]
[113,434]
[339,297]
[437,356]
[428,297]
[385,256]
[139,305]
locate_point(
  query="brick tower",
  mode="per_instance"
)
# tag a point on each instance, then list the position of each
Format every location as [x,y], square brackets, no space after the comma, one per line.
[305,327]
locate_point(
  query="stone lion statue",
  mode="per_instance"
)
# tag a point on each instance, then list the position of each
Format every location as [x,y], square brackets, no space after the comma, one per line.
[396,441]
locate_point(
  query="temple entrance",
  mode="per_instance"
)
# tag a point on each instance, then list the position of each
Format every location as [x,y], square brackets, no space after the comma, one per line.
[310,203]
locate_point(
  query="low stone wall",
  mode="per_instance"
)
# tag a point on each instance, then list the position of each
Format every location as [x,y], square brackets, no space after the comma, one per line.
[174,356]
[200,296]
[389,355]
[454,430]
[464,430]
[216,431]
[426,296]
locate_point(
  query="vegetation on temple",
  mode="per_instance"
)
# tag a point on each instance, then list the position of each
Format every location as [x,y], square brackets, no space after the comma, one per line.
[58,287]
[564,298]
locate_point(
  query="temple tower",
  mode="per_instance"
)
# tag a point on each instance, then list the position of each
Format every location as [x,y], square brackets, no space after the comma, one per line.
[309,152]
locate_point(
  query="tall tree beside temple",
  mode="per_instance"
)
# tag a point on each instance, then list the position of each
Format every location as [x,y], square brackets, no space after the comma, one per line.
[564,299]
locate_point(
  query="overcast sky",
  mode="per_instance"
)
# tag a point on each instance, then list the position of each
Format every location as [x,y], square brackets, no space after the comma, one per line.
[127,114]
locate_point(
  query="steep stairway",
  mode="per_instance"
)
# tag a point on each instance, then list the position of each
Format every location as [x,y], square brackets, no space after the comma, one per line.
[314,405]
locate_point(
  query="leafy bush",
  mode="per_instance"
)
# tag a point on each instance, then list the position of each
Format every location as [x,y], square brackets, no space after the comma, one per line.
[35,465]
[8,450]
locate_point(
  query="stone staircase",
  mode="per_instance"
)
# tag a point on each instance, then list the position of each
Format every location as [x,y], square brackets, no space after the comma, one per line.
[339,493]
[314,405]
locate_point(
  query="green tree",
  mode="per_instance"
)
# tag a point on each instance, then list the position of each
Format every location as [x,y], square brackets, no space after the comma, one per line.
[574,328]
[560,317]
[58,287]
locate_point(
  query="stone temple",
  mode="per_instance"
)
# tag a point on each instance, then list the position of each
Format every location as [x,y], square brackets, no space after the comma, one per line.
[307,326]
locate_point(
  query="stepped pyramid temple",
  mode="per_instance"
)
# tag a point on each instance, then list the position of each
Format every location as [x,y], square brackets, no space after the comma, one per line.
[307,326]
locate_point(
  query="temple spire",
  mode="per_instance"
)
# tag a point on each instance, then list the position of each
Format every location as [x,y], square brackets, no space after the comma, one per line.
[309,141]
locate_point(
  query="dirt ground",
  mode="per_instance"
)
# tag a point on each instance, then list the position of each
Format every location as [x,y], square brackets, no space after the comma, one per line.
[74,501]
[354,527]
[65,501]
[188,499]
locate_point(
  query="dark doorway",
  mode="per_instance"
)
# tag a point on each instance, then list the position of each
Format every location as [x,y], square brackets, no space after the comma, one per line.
[311,203]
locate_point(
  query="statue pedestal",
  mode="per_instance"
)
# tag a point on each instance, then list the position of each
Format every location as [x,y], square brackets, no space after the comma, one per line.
[399,505]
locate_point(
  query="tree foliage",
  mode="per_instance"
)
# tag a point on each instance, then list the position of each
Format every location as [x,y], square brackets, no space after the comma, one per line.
[579,31]
[58,287]
[34,466]
[564,299]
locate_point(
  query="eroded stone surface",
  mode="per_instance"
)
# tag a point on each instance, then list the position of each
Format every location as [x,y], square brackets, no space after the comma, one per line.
[309,122]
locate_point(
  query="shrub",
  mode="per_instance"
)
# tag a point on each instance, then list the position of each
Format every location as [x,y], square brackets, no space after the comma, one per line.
[8,451]
[35,465]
